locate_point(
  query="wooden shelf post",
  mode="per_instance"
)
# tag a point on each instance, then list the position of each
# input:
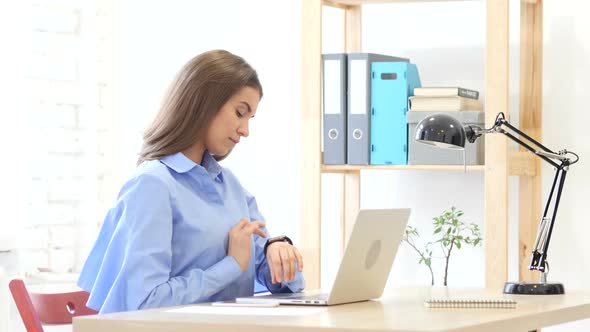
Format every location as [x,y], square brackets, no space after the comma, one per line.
[531,102]
[351,181]
[310,160]
[496,150]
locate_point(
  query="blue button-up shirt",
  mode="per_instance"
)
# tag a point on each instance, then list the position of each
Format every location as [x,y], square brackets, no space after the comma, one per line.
[165,241]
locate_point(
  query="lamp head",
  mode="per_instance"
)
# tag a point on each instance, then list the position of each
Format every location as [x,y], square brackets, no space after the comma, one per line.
[441,130]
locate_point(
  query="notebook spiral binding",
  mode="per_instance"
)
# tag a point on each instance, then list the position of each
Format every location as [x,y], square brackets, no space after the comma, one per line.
[471,303]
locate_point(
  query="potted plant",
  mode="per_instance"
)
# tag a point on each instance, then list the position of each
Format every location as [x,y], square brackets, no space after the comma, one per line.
[450,232]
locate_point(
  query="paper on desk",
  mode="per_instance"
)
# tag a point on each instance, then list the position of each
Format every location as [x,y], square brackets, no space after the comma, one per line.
[250,311]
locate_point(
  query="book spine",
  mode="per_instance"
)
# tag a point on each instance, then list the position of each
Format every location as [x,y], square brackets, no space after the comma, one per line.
[462,92]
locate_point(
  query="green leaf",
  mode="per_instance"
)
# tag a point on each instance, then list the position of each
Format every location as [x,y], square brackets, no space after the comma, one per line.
[458,244]
[436,231]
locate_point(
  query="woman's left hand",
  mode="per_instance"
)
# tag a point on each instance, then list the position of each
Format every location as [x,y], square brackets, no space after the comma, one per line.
[283,260]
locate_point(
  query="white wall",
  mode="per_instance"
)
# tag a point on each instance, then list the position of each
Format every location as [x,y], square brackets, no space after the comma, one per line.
[566,72]
[12,83]
[48,111]
[158,37]
[565,101]
[11,174]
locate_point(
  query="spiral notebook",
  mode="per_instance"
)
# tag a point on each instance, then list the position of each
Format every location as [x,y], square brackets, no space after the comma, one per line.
[471,303]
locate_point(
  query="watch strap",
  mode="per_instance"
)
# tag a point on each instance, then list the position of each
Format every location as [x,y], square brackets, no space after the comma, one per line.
[281,238]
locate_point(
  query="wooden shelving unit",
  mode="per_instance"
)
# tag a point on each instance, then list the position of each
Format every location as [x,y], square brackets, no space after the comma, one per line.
[499,162]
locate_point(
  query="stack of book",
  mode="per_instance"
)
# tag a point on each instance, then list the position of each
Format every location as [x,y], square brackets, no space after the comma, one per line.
[445,99]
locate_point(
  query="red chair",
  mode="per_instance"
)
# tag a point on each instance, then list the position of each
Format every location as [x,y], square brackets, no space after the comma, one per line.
[50,308]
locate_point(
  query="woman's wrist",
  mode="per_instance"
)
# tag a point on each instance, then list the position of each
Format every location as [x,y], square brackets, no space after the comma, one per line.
[280,238]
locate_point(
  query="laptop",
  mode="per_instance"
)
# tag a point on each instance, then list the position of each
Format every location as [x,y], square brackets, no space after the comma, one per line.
[365,266]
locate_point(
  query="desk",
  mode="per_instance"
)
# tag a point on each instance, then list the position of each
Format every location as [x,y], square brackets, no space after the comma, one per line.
[400,309]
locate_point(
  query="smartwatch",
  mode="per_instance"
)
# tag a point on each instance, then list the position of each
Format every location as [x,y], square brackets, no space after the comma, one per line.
[280,238]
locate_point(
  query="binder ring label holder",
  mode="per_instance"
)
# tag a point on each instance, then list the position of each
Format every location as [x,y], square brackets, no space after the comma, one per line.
[333,133]
[357,134]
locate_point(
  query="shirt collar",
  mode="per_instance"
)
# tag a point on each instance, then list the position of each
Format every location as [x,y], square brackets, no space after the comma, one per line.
[182,164]
[211,165]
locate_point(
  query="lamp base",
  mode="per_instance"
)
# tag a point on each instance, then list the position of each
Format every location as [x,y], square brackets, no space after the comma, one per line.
[533,288]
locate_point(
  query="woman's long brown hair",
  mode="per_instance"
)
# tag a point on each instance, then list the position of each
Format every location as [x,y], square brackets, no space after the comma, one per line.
[199,90]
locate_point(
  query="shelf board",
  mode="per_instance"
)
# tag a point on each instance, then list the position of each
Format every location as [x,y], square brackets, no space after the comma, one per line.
[345,3]
[357,168]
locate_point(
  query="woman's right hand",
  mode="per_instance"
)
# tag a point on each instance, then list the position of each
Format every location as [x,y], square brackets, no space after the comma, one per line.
[240,240]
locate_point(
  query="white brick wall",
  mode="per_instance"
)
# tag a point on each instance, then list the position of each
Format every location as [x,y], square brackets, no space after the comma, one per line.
[108,122]
[52,115]
[55,19]
[58,67]
[61,260]
[54,91]
[43,42]
[34,238]
[59,165]
[71,78]
[53,213]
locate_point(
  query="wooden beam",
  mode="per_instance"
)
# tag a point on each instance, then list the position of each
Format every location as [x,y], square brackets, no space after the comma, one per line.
[531,112]
[353,29]
[365,2]
[356,168]
[351,180]
[351,199]
[496,152]
[310,161]
[522,163]
[334,4]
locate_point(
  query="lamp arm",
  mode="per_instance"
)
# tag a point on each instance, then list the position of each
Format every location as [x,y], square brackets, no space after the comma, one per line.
[503,123]
[545,230]
[541,246]
[500,125]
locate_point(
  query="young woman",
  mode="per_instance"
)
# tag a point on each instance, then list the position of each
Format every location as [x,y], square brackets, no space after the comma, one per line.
[183,230]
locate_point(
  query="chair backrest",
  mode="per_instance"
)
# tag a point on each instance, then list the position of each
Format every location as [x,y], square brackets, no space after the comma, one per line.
[49,308]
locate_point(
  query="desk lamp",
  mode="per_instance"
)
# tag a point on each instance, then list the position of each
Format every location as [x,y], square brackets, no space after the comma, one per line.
[444,131]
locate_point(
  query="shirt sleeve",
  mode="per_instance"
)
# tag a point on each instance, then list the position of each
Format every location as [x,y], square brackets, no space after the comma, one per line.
[262,269]
[129,267]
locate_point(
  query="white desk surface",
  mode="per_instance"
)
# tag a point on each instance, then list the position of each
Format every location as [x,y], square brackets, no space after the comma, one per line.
[399,310]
